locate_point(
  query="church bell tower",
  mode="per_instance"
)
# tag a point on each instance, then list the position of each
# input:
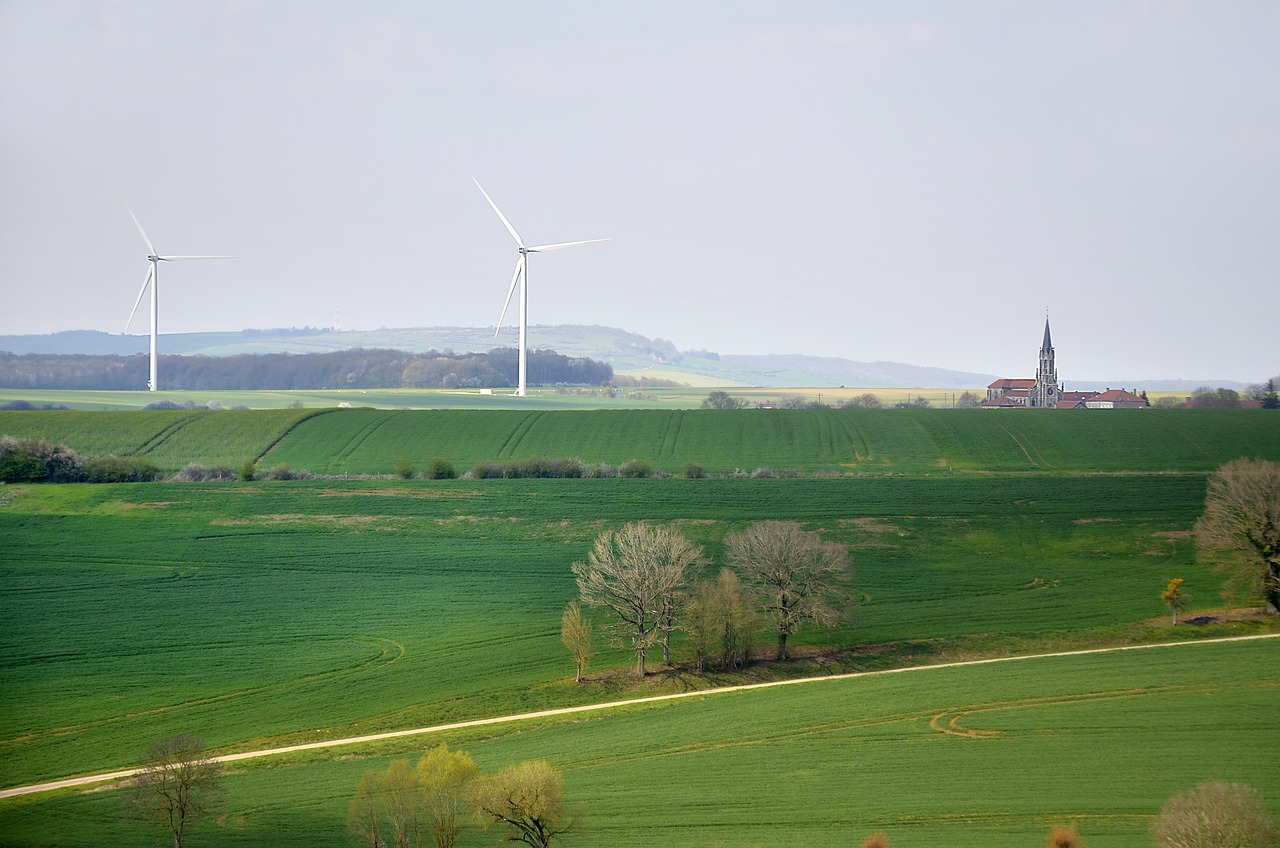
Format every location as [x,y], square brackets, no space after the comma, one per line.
[1046,391]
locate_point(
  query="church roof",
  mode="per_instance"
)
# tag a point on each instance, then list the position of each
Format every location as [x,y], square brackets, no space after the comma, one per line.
[1012,383]
[1047,345]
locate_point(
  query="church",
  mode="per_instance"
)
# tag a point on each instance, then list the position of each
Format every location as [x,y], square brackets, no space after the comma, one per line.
[1046,392]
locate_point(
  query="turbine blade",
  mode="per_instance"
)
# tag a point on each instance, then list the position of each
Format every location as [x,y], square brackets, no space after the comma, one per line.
[515,278]
[505,222]
[171,258]
[144,232]
[543,248]
[151,269]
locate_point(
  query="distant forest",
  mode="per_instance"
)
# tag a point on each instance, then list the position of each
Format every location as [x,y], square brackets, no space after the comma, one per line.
[345,369]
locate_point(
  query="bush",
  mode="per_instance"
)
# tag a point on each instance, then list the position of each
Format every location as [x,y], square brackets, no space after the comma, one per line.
[636,468]
[283,472]
[1214,815]
[693,471]
[248,470]
[404,469]
[1063,837]
[163,404]
[876,840]
[439,469]
[537,467]
[197,473]
[37,461]
[119,469]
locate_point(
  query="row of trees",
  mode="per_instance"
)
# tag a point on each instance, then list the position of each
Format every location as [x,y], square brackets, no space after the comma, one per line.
[646,577]
[346,369]
[408,807]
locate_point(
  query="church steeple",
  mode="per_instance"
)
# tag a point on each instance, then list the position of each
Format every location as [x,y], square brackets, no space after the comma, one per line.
[1045,392]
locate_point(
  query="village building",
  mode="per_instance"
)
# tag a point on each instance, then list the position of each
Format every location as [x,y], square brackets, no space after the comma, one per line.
[1046,392]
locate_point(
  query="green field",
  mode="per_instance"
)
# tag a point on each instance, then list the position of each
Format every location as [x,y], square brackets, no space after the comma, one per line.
[369,441]
[968,757]
[260,614]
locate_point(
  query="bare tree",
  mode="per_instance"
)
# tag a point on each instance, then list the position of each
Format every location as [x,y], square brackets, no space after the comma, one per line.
[528,799]
[1240,527]
[177,785]
[362,815]
[801,579]
[722,400]
[1215,815]
[575,633]
[637,573]
[444,778]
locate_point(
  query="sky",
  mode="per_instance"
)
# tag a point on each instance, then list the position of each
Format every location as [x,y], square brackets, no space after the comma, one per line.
[917,182]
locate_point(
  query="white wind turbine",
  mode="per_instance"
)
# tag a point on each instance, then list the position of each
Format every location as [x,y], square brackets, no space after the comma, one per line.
[152,280]
[521,277]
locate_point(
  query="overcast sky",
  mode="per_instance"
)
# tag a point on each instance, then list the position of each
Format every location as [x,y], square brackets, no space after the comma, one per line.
[906,181]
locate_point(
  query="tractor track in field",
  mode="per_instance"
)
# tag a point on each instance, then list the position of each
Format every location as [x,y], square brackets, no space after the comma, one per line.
[589,708]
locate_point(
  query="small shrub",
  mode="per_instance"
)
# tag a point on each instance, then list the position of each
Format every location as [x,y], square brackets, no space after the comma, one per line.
[487,471]
[163,404]
[876,840]
[762,473]
[215,405]
[636,468]
[248,470]
[693,471]
[440,469]
[1063,837]
[1212,815]
[284,472]
[404,469]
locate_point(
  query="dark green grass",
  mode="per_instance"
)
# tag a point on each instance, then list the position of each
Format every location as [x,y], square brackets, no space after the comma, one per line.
[371,441]
[254,613]
[989,756]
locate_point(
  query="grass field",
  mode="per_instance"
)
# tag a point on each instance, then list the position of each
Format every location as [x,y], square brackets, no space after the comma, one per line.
[975,757]
[369,441]
[265,613]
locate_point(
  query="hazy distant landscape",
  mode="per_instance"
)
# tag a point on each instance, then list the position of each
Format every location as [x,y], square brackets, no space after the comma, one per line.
[628,353]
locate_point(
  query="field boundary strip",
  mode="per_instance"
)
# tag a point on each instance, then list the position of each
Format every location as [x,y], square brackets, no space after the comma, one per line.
[609,705]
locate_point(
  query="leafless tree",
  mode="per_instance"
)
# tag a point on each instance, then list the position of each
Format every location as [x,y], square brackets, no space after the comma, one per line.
[528,799]
[801,579]
[1240,527]
[177,785]
[638,574]
[1215,815]
[575,633]
[444,778]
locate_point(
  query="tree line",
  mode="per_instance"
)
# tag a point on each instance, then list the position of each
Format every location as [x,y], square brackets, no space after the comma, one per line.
[646,577]
[345,369]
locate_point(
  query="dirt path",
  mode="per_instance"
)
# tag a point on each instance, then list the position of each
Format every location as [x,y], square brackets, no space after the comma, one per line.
[480,722]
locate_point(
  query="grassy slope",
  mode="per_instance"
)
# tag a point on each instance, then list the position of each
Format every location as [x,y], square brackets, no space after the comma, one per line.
[358,606]
[362,441]
[977,757]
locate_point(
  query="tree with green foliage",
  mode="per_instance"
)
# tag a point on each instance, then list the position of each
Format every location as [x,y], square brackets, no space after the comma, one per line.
[248,470]
[404,469]
[444,779]
[528,800]
[1270,399]
[401,797]
[637,573]
[1174,598]
[722,400]
[575,633]
[176,786]
[1215,815]
[363,814]
[800,579]
[1240,526]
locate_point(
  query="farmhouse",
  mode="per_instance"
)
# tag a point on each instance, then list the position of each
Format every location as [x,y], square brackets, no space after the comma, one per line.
[1045,392]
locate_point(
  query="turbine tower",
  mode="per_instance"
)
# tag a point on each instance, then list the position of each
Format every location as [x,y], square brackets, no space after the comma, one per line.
[521,277]
[152,280]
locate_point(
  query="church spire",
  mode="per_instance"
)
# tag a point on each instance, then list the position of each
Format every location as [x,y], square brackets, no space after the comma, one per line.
[1048,344]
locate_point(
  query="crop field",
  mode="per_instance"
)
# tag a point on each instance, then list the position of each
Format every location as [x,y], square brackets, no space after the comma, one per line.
[987,756]
[267,613]
[369,441]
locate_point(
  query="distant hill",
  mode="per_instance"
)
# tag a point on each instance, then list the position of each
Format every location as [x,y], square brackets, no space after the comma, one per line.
[626,352]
